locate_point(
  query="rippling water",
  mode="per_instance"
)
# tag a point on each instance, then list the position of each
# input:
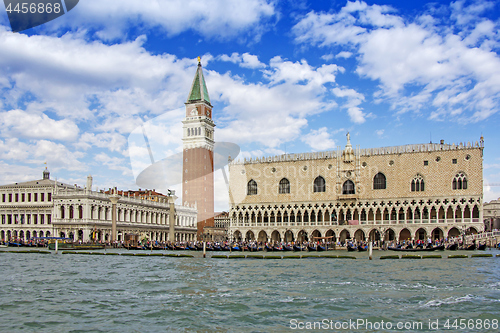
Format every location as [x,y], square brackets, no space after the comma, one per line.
[89,293]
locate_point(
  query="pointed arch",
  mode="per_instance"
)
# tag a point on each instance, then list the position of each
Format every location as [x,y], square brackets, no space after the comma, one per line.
[284,186]
[348,187]
[252,187]
[319,184]
[379,181]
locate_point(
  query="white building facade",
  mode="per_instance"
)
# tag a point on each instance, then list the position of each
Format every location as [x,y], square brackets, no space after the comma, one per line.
[45,208]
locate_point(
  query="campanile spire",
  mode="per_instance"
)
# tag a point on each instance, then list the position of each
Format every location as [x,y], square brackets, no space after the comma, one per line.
[198,158]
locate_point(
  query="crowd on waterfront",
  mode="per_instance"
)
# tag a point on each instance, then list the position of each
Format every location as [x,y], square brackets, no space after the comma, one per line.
[258,246]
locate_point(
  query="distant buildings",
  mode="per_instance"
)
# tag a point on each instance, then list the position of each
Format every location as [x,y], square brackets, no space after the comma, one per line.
[491,215]
[45,207]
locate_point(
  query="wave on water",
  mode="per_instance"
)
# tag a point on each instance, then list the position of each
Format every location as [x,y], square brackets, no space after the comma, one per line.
[453,300]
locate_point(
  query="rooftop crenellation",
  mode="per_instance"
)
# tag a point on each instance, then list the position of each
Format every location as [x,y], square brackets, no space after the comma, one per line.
[411,148]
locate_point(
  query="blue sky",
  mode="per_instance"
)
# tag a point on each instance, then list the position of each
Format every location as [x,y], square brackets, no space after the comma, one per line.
[283,76]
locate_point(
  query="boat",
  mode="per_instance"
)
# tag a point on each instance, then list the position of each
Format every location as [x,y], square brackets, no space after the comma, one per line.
[297,248]
[236,248]
[311,248]
[482,247]
[287,248]
[179,247]
[350,248]
[452,247]
[362,249]
[3,246]
[75,246]
[277,248]
[427,249]
[320,248]
[269,248]
[471,247]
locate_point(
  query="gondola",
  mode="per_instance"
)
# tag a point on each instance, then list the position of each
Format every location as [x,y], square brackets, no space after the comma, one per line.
[320,248]
[482,247]
[362,249]
[287,248]
[217,248]
[179,248]
[311,248]
[269,248]
[224,248]
[416,249]
[452,247]
[471,247]
[439,247]
[350,248]
[236,248]
[277,248]
[252,248]
[297,248]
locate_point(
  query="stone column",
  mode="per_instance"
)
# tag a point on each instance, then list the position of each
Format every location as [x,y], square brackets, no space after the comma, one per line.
[114,200]
[171,217]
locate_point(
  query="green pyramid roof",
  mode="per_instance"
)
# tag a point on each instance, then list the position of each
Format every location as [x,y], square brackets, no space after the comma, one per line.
[199,90]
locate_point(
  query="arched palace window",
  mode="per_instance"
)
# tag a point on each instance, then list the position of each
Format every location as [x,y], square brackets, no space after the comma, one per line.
[379,181]
[348,187]
[284,186]
[319,184]
[417,184]
[252,187]
[460,181]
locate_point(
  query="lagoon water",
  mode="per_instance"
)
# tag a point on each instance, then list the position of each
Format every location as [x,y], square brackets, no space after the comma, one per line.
[91,293]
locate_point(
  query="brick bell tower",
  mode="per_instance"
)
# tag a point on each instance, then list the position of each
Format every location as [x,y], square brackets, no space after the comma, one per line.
[198,152]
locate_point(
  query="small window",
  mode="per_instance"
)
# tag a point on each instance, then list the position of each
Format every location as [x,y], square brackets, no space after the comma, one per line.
[426,162]
[459,182]
[36,197]
[29,197]
[42,196]
[3,197]
[454,161]
[379,181]
[348,187]
[319,184]
[284,186]
[418,184]
[252,187]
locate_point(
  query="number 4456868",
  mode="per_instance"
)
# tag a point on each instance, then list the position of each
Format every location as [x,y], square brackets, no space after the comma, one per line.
[477,324]
[33,8]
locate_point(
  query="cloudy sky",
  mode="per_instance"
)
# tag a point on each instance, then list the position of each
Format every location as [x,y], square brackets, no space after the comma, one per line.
[81,92]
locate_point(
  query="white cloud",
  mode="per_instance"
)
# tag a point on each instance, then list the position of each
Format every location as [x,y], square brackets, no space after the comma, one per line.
[210,18]
[418,63]
[319,139]
[57,156]
[246,60]
[22,124]
[344,54]
[354,99]
[113,163]
[380,133]
[111,141]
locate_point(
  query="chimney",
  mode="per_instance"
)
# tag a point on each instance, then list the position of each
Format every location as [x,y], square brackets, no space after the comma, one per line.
[441,142]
